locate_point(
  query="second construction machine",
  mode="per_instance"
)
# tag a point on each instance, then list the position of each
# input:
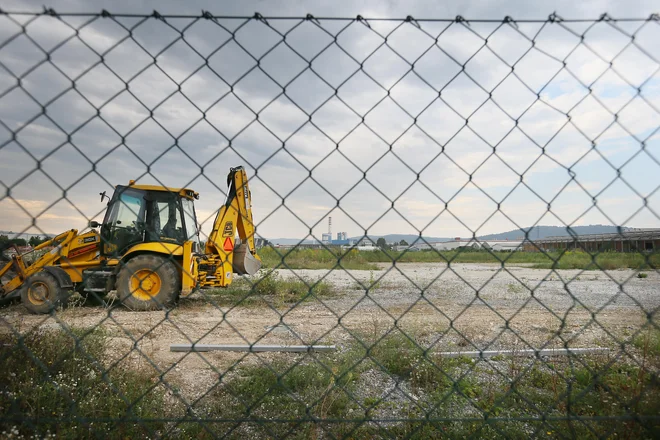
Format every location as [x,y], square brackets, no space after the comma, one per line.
[147,250]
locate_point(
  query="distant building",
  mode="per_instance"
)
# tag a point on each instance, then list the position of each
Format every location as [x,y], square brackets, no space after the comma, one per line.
[421,246]
[455,244]
[366,241]
[476,244]
[503,245]
[363,244]
[403,247]
[639,240]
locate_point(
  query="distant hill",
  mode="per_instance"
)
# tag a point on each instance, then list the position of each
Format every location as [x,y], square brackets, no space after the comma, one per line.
[535,232]
[552,231]
[390,238]
[518,234]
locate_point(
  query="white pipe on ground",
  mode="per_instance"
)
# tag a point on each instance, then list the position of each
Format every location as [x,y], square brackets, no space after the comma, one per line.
[253,348]
[544,352]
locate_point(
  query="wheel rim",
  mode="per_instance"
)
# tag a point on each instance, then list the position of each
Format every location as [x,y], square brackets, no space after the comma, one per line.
[145,284]
[38,293]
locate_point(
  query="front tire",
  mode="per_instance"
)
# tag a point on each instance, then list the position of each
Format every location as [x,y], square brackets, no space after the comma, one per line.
[148,282]
[42,293]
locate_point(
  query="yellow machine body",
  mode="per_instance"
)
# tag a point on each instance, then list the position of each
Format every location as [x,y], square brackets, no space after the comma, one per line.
[146,262]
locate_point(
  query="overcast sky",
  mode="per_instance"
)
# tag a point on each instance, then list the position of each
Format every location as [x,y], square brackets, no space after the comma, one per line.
[401,149]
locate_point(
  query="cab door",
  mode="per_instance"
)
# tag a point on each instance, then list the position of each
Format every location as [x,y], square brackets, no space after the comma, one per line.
[124,224]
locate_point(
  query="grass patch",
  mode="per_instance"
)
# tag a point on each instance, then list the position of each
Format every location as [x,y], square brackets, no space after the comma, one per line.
[649,342]
[406,359]
[590,388]
[280,399]
[371,284]
[337,394]
[515,288]
[315,259]
[325,388]
[272,287]
[600,261]
[298,399]
[366,260]
[51,384]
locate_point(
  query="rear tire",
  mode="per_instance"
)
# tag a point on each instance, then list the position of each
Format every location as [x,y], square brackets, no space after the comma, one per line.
[148,282]
[42,293]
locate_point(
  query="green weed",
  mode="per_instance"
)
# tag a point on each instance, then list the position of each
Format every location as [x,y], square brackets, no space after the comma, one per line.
[315,259]
[371,284]
[365,260]
[283,392]
[272,286]
[53,382]
[649,342]
[305,397]
[515,288]
[294,397]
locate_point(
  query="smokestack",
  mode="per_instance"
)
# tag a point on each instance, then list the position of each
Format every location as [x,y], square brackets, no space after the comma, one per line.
[330,226]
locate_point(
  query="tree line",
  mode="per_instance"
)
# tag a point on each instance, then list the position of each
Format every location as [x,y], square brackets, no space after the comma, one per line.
[35,240]
[381,243]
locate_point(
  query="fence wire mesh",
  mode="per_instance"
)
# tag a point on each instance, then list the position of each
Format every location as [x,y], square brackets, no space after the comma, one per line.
[437,127]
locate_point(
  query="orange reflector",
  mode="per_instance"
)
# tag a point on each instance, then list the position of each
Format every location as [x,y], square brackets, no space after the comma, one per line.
[228,246]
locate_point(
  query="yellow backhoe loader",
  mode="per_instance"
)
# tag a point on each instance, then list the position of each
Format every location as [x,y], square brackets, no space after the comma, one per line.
[147,250]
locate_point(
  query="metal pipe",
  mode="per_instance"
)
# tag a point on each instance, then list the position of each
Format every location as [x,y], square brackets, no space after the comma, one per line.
[251,348]
[544,352]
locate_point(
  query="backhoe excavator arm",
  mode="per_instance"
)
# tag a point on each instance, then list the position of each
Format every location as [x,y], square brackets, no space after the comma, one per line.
[60,248]
[235,216]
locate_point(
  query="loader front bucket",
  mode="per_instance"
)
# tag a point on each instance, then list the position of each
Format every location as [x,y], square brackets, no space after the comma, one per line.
[244,261]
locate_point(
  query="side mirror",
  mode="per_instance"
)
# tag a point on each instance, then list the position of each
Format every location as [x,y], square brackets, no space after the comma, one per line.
[94,224]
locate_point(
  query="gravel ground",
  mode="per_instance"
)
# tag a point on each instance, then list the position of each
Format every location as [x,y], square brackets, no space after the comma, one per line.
[465,307]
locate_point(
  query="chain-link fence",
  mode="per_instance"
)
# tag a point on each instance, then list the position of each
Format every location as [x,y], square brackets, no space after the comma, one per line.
[218,310]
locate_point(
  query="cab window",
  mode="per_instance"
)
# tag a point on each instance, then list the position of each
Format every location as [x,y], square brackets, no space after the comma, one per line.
[124,225]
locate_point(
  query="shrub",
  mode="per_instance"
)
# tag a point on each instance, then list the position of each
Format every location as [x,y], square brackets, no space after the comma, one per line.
[53,382]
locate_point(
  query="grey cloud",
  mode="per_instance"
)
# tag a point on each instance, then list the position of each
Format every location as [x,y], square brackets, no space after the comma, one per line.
[335,120]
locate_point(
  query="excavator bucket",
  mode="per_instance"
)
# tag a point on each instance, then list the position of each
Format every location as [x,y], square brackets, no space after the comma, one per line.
[244,261]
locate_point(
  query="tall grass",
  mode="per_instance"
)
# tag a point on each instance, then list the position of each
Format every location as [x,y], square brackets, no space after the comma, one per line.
[365,260]
[339,395]
[315,259]
[334,394]
[50,385]
[272,287]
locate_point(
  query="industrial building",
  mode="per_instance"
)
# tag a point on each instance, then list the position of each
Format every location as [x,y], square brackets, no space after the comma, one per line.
[476,244]
[342,237]
[638,240]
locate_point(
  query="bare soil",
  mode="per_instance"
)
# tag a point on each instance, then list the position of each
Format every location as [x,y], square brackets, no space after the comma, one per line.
[465,307]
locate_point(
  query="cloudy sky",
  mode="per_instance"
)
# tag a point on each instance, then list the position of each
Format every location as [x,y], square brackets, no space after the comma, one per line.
[389,127]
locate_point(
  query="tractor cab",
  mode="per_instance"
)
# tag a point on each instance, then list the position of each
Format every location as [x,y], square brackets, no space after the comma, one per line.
[148,214]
